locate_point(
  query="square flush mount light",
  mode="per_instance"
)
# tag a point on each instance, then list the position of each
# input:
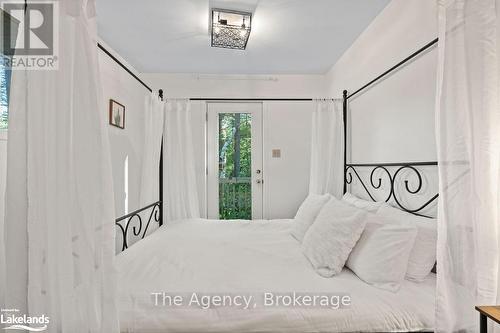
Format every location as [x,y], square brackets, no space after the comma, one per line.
[230,29]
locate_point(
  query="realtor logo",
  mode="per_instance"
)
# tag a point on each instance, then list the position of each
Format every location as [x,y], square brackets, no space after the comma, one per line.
[35,29]
[29,34]
[16,321]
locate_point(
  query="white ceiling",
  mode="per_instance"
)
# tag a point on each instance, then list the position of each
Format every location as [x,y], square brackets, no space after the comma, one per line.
[288,36]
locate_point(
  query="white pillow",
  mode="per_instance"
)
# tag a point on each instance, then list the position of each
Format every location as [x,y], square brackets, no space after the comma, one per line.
[370,206]
[332,236]
[307,213]
[423,254]
[380,257]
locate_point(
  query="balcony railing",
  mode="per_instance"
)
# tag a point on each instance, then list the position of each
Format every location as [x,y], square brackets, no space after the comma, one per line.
[235,198]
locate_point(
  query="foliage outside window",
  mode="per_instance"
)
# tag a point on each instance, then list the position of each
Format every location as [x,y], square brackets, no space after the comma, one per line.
[5,72]
[5,75]
[235,142]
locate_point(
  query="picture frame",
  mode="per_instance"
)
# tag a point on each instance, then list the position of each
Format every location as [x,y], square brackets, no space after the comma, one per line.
[116,114]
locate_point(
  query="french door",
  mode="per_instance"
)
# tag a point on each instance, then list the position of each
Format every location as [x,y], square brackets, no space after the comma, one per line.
[234,161]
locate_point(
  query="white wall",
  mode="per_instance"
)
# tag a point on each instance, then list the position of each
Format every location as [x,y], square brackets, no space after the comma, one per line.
[3,182]
[3,173]
[124,143]
[287,126]
[392,121]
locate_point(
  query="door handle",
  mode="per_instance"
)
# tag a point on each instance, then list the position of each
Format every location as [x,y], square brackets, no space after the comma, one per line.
[260,181]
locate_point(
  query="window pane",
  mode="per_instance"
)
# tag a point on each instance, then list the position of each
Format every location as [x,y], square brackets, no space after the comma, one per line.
[5,75]
[235,190]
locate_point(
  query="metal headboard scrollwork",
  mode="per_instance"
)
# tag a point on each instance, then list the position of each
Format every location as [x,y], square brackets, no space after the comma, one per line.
[394,174]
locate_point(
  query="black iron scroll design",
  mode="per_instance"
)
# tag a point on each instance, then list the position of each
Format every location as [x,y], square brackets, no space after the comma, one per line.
[393,175]
[134,222]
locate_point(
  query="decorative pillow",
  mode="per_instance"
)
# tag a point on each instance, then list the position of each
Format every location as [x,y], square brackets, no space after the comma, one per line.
[369,206]
[380,257]
[332,236]
[423,254]
[307,213]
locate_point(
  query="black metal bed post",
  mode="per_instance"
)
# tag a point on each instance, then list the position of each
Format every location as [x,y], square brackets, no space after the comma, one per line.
[160,177]
[381,76]
[344,118]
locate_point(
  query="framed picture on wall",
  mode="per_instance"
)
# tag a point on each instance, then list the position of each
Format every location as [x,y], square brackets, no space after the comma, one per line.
[116,114]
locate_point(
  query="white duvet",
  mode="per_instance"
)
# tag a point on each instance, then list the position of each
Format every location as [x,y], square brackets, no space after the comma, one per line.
[252,258]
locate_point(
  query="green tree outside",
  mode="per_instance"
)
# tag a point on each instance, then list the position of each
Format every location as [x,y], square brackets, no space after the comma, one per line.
[235,164]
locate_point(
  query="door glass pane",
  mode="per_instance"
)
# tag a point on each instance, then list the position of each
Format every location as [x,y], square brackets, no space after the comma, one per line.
[235,186]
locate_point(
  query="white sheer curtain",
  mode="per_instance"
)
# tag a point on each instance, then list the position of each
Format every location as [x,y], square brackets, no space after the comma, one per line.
[153,129]
[327,148]
[59,226]
[179,191]
[468,138]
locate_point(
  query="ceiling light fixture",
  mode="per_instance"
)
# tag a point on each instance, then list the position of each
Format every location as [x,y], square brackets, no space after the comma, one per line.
[230,29]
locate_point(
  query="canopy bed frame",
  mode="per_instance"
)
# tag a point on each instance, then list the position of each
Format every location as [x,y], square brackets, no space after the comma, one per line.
[350,169]
[390,181]
[393,171]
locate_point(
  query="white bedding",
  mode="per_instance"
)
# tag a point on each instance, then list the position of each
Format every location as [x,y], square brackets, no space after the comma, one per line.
[250,258]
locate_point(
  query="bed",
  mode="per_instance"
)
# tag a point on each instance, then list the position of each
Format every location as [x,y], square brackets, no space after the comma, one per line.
[210,257]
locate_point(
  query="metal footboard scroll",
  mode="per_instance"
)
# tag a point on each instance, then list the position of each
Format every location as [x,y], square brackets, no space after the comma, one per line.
[135,226]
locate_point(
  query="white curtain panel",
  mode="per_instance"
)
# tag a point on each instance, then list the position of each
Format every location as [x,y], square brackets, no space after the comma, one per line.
[153,129]
[179,190]
[327,149]
[468,139]
[59,226]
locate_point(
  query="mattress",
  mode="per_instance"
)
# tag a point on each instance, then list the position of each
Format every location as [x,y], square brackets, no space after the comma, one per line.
[259,259]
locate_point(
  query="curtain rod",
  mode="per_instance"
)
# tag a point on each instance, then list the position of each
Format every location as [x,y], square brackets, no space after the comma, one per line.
[250,99]
[123,66]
